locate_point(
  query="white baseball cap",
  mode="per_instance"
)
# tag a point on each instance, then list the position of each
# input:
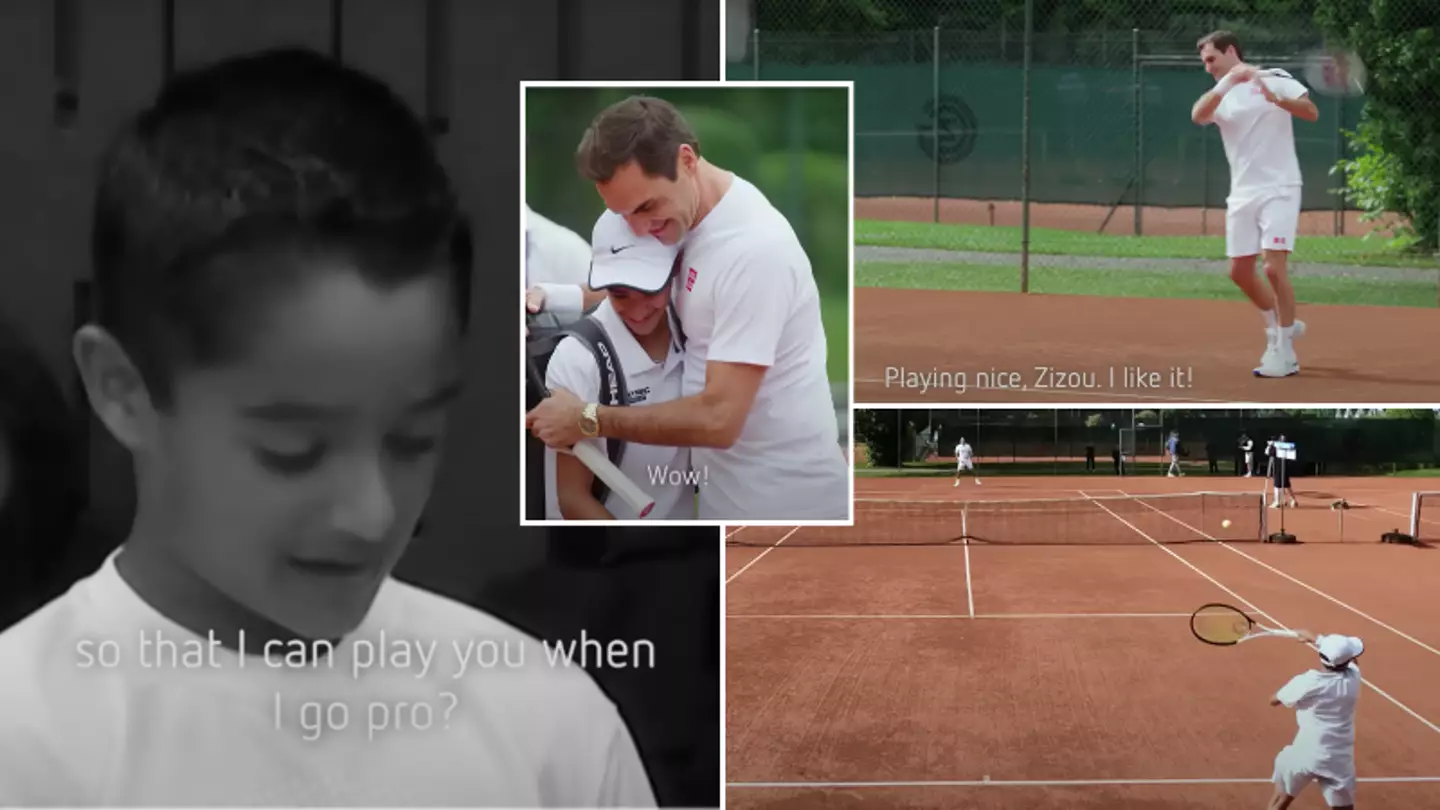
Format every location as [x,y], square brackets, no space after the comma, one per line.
[1337,651]
[619,258]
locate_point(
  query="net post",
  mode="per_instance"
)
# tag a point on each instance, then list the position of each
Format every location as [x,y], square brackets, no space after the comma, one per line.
[1264,518]
[965,522]
[1415,515]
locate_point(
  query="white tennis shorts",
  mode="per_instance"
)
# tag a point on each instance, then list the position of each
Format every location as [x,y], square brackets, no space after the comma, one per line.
[1292,775]
[965,464]
[1262,222]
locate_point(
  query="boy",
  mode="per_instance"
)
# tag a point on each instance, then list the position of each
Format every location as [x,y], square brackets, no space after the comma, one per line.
[636,273]
[1324,746]
[282,274]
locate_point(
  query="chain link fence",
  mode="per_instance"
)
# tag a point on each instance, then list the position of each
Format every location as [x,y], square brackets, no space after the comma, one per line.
[1059,135]
[1133,441]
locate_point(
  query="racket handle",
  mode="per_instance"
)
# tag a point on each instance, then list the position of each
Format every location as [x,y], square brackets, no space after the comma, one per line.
[619,482]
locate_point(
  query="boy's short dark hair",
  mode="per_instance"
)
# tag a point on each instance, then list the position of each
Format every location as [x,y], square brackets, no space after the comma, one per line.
[273,158]
[648,131]
[1222,40]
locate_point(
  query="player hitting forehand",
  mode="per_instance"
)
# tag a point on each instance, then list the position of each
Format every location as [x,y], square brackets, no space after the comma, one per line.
[965,460]
[1252,108]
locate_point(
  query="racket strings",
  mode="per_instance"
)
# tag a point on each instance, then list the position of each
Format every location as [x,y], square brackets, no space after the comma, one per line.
[1220,625]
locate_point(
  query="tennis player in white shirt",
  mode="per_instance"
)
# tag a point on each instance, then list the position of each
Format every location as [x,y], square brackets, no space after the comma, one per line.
[757,411]
[1253,110]
[964,460]
[636,273]
[1324,701]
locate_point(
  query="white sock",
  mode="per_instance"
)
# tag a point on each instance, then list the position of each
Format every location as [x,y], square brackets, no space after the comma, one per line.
[1286,333]
[1270,320]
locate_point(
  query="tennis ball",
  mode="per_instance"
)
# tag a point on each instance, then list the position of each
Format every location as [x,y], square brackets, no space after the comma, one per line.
[1225,523]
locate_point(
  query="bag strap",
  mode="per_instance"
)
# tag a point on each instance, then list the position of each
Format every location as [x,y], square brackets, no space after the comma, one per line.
[613,391]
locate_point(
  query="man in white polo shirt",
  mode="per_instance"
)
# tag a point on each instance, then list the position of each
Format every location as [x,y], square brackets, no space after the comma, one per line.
[636,318]
[1253,110]
[757,411]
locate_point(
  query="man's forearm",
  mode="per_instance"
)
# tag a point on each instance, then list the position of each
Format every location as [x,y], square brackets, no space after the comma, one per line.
[577,506]
[1205,107]
[1301,108]
[694,421]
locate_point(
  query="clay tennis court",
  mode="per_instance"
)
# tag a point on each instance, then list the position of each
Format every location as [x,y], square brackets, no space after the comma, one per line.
[934,346]
[998,675]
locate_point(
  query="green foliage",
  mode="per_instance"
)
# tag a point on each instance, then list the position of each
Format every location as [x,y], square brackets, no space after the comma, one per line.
[878,431]
[1397,143]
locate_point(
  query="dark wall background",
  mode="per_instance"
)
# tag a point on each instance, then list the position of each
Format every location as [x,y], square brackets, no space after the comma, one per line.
[71,70]
[460,60]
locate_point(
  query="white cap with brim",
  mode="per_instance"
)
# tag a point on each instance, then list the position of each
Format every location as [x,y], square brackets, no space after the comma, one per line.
[619,258]
[1337,651]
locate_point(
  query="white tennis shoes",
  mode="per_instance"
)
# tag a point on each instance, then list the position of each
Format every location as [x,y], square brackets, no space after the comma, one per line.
[1279,359]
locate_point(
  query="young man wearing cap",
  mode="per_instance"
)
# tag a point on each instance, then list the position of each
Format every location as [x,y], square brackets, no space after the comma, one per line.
[636,273]
[757,409]
[1324,701]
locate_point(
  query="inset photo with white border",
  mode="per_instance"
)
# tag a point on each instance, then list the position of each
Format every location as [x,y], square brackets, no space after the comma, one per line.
[687,303]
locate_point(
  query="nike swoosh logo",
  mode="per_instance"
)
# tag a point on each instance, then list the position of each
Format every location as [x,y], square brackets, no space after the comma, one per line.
[615,250]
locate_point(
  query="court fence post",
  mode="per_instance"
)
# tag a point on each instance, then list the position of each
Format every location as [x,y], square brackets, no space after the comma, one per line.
[1025,154]
[1138,101]
[935,117]
[755,54]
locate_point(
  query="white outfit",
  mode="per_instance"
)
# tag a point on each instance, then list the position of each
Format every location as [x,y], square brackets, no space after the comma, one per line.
[1324,746]
[1263,208]
[746,294]
[557,259]
[963,458]
[530,735]
[663,472]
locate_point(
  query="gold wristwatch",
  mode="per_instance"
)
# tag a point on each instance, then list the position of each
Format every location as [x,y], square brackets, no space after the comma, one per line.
[590,421]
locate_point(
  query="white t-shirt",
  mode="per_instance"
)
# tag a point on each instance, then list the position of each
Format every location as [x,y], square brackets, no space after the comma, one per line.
[537,736]
[746,294]
[962,451]
[663,472]
[1259,137]
[558,256]
[1325,713]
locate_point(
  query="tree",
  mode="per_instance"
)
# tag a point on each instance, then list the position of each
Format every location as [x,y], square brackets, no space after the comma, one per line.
[1398,139]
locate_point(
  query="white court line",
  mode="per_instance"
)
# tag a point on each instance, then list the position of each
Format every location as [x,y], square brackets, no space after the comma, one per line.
[761,556]
[1056,782]
[903,616]
[1307,587]
[1252,607]
[969,590]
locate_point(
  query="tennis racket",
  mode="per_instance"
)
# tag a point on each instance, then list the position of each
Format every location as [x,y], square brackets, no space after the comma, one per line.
[1336,71]
[598,462]
[1224,626]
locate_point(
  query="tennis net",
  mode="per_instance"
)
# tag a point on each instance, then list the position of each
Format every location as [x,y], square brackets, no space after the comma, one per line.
[1102,520]
[1424,516]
